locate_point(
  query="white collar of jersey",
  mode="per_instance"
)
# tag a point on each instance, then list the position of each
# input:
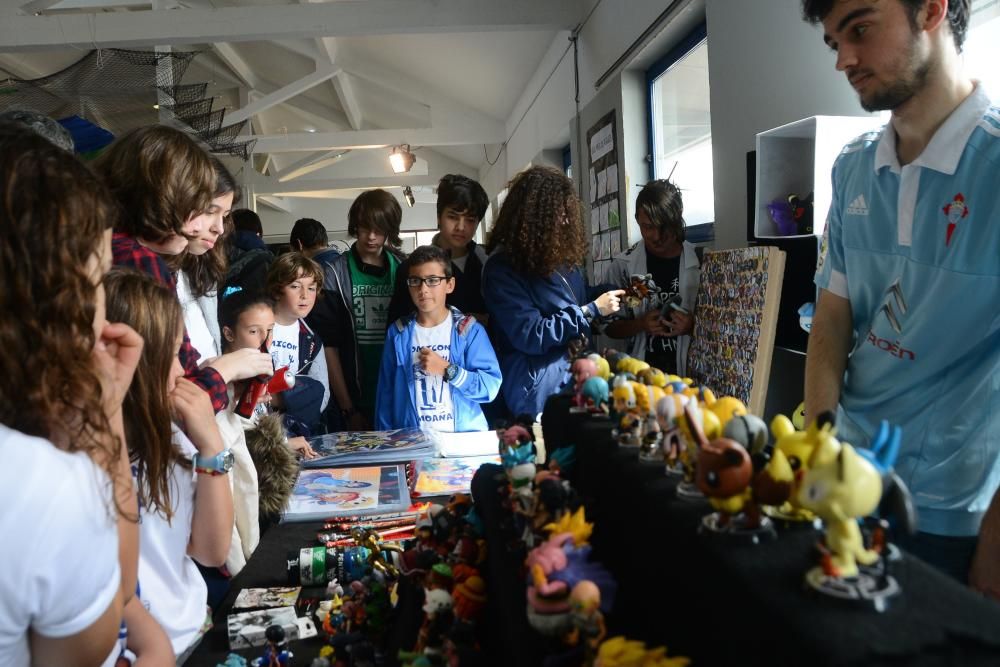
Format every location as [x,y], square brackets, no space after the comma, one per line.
[948,143]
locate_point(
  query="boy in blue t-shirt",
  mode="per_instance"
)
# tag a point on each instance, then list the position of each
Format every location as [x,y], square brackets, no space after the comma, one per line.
[438,365]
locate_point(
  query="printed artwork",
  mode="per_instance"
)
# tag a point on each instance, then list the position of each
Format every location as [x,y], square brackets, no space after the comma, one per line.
[730,327]
[329,492]
[247,629]
[359,447]
[444,477]
[255,598]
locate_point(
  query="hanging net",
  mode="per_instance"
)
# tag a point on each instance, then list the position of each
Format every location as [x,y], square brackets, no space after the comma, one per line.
[119,90]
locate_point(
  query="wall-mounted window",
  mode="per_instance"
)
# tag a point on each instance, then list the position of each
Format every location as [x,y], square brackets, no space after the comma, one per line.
[680,125]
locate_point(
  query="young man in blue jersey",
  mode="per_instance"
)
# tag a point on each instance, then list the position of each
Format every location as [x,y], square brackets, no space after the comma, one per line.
[438,365]
[909,275]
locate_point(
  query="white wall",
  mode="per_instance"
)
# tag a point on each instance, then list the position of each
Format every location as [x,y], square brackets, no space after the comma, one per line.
[767,67]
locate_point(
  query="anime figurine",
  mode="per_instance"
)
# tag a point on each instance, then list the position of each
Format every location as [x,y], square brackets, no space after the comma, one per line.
[639,289]
[603,368]
[625,399]
[650,450]
[777,485]
[621,652]
[276,654]
[595,395]
[668,410]
[725,408]
[724,473]
[469,598]
[588,622]
[652,376]
[582,369]
[799,417]
[751,432]
[377,556]
[437,618]
[842,486]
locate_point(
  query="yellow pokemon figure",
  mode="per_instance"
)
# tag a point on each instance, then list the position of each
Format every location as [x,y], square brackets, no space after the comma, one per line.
[725,408]
[841,486]
[603,368]
[778,483]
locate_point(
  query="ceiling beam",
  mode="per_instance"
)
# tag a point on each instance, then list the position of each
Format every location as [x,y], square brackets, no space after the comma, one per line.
[348,100]
[357,139]
[266,186]
[261,23]
[235,62]
[38,6]
[312,163]
[281,94]
[277,203]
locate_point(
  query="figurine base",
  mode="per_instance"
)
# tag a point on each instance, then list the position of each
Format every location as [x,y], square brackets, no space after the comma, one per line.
[869,590]
[689,491]
[627,440]
[646,455]
[675,470]
[735,530]
[791,522]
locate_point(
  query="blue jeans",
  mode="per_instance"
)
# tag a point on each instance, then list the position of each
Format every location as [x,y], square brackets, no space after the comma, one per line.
[951,555]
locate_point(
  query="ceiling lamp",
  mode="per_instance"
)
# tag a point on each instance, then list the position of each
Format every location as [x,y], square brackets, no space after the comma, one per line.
[408,195]
[401,159]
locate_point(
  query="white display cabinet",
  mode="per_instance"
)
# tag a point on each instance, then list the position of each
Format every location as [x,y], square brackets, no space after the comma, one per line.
[796,159]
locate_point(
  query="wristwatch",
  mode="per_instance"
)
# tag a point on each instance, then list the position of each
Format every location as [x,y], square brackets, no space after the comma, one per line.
[219,464]
[450,372]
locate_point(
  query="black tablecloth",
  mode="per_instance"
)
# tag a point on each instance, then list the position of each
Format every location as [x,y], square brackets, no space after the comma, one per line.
[725,604]
[266,568]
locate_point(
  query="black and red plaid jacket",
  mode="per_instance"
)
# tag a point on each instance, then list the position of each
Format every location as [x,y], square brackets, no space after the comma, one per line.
[126,251]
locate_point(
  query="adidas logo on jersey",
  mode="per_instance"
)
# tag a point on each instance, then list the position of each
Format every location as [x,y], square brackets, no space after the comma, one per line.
[858,207]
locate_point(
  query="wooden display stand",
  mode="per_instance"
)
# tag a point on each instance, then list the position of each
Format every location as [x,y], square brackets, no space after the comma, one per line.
[735,321]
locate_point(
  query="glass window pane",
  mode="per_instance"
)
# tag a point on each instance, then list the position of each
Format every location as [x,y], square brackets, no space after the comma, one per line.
[682,133]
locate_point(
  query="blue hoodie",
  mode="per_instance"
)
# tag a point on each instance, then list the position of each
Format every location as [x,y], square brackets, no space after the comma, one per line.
[533,320]
[478,379]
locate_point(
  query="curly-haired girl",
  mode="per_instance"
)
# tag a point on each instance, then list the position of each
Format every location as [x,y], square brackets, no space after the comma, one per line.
[70,531]
[534,289]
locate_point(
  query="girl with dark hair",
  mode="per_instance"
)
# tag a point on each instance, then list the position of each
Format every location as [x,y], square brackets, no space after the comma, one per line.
[69,525]
[534,288]
[185,500]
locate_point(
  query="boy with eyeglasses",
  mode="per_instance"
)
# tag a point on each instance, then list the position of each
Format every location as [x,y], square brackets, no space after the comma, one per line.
[438,365]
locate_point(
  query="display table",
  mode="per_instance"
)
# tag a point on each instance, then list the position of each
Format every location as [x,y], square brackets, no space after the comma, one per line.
[726,604]
[267,568]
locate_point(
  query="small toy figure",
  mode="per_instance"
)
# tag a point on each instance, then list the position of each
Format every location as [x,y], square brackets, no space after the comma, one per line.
[437,618]
[841,487]
[777,485]
[469,599]
[588,622]
[621,652]
[650,450]
[276,654]
[582,369]
[725,408]
[369,539]
[626,403]
[640,287]
[595,395]
[751,432]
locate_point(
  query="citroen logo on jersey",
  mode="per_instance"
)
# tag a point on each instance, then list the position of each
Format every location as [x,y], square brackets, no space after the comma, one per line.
[893,307]
[894,302]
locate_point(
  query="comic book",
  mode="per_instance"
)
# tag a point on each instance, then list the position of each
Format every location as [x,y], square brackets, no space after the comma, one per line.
[353,448]
[332,492]
[256,598]
[444,477]
[247,629]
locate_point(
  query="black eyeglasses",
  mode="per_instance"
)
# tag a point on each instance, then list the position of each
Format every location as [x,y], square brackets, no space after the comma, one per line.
[432,281]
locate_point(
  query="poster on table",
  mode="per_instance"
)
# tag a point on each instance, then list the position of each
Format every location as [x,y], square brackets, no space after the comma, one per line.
[604,214]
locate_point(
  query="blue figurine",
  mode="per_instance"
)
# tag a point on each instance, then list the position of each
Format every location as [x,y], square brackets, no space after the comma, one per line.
[276,654]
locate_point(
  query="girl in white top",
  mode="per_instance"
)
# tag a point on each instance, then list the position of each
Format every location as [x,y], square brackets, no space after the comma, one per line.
[68,523]
[186,510]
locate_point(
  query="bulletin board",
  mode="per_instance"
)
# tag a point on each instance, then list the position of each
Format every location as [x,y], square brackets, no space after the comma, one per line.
[604,218]
[735,321]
